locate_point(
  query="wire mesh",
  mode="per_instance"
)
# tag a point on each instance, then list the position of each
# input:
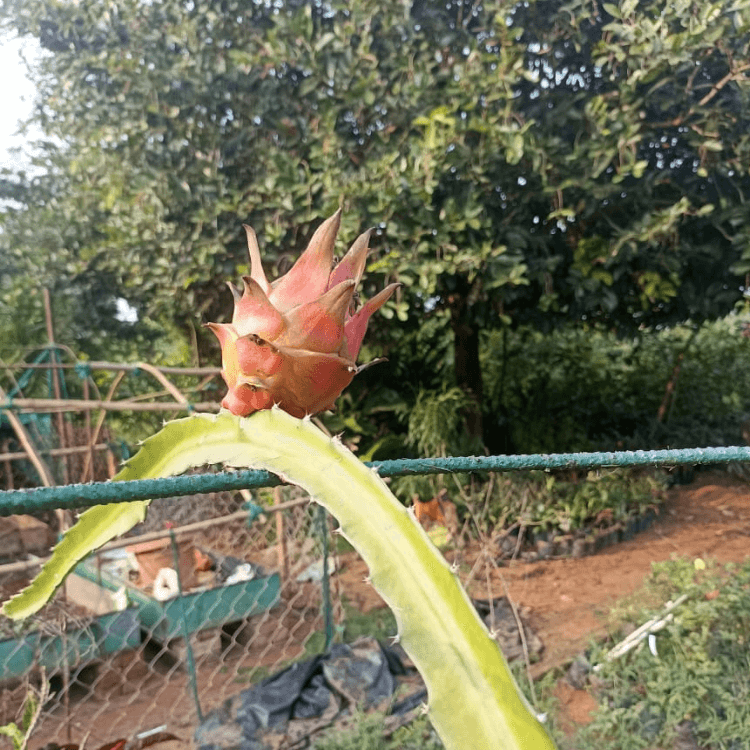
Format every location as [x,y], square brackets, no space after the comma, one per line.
[123,657]
[113,643]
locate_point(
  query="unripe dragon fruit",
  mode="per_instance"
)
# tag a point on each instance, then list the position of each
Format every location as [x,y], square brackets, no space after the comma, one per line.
[294,342]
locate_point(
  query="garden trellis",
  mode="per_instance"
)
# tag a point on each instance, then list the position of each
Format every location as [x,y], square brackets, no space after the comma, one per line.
[30,420]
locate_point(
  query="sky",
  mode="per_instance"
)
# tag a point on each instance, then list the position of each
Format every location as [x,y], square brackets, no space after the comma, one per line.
[18,95]
[18,100]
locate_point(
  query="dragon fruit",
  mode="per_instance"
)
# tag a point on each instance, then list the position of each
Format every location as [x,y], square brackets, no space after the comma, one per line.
[294,342]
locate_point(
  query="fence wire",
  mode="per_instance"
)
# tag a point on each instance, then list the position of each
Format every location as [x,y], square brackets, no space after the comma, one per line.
[127,647]
[85,495]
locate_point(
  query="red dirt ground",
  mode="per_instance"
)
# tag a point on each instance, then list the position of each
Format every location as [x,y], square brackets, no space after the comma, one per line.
[708,519]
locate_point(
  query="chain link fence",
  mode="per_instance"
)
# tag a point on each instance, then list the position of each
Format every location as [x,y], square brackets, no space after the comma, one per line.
[166,624]
[156,630]
[217,590]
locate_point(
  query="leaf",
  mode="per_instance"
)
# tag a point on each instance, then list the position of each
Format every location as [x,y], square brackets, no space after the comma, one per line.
[29,712]
[15,734]
[612,9]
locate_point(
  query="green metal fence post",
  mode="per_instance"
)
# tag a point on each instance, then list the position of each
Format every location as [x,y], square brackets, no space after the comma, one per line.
[192,676]
[326,593]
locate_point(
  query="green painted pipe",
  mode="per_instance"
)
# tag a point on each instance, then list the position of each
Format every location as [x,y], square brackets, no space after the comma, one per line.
[84,495]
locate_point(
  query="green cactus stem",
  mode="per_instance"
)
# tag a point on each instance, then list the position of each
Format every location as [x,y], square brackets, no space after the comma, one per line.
[474,703]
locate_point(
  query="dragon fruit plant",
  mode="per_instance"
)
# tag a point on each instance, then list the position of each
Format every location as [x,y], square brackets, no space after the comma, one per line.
[288,352]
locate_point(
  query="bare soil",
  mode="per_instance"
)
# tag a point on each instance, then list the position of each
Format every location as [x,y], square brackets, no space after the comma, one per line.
[570,598]
[566,600]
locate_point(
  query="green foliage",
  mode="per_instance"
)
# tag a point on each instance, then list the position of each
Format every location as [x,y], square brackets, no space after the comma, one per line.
[435,423]
[19,734]
[541,502]
[522,164]
[699,676]
[378,623]
[367,417]
[587,389]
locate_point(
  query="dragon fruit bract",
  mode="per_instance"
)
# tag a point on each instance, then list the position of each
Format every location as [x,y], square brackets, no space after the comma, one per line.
[294,342]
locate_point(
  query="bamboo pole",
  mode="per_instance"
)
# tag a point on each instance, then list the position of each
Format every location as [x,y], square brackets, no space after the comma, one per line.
[60,420]
[111,469]
[52,405]
[73,450]
[168,384]
[23,437]
[89,463]
[156,395]
[111,463]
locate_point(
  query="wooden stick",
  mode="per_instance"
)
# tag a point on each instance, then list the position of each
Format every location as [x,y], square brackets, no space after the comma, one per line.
[652,626]
[669,391]
[168,384]
[23,437]
[55,380]
[111,469]
[89,464]
[52,405]
[156,395]
[20,455]
[111,464]
[8,465]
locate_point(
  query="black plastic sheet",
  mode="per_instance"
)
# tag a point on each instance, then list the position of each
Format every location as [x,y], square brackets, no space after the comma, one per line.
[309,695]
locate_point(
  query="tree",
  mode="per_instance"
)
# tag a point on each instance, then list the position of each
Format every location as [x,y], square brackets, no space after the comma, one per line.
[523,163]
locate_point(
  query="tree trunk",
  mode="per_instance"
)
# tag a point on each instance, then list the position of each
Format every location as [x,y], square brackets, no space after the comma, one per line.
[466,364]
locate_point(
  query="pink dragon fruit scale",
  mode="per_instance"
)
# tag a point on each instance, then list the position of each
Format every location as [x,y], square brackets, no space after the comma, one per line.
[294,342]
